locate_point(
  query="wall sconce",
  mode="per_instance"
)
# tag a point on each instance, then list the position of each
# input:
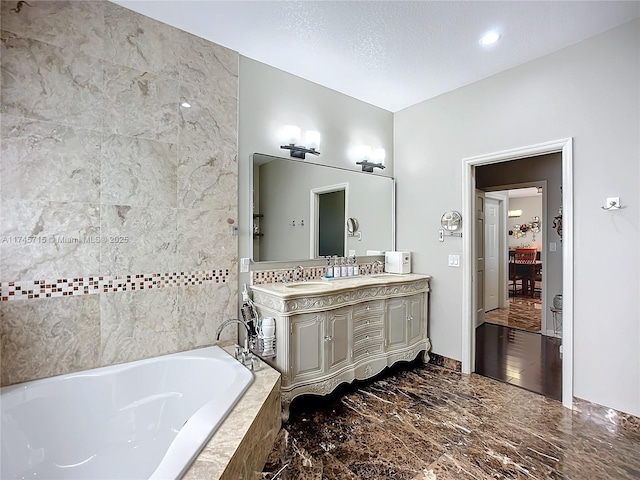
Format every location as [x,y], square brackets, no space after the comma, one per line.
[514,213]
[292,138]
[371,158]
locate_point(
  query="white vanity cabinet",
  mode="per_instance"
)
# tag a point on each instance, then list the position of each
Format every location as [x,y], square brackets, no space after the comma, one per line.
[328,334]
[322,341]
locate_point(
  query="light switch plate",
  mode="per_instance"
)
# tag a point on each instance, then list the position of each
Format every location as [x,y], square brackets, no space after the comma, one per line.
[244,265]
[454,260]
[553,246]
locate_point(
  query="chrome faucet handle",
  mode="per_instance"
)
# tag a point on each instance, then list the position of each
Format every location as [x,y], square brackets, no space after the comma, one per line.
[255,363]
[298,272]
[237,349]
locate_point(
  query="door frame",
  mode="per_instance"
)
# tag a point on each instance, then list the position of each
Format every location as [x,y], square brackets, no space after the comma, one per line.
[314,213]
[565,147]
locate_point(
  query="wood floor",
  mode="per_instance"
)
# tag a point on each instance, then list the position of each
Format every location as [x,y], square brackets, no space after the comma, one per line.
[526,359]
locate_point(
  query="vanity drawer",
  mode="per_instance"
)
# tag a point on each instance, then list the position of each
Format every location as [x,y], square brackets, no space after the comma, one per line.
[373,307]
[368,335]
[366,322]
[368,349]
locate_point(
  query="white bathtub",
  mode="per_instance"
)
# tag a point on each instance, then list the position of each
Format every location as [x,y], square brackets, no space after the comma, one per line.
[141,420]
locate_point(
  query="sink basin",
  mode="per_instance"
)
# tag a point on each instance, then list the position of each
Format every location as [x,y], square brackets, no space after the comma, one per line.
[309,286]
[388,275]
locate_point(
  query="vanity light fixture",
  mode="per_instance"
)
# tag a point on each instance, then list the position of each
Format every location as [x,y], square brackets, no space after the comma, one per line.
[371,158]
[292,138]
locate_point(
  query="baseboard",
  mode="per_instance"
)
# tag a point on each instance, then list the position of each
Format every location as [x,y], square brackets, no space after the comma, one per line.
[606,416]
[445,362]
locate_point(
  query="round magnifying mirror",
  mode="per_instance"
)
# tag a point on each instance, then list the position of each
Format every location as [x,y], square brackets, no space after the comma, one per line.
[451,221]
[352,226]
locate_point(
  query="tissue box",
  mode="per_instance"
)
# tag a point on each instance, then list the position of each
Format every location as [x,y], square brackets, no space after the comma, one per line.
[397,262]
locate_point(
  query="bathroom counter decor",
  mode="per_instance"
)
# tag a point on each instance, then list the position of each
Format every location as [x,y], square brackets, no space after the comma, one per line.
[332,332]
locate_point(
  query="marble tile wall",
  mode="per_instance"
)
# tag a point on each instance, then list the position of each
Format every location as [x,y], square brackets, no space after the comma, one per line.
[117,202]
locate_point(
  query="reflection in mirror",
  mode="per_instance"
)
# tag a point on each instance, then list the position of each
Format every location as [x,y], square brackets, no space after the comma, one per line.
[287,202]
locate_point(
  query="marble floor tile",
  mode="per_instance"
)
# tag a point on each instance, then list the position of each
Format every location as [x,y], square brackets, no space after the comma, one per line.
[523,313]
[418,422]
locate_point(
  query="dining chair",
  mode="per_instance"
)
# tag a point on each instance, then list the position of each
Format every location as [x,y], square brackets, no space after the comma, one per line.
[525,266]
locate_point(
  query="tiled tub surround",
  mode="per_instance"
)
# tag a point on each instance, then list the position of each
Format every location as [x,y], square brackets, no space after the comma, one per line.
[105,284]
[95,145]
[240,446]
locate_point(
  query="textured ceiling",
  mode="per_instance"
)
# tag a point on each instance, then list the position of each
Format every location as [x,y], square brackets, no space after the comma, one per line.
[391,54]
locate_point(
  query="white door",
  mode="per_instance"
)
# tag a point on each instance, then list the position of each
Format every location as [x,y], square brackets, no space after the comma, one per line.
[479,234]
[491,255]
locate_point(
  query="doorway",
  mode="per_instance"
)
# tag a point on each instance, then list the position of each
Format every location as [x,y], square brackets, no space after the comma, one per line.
[470,300]
[328,232]
[331,222]
[515,223]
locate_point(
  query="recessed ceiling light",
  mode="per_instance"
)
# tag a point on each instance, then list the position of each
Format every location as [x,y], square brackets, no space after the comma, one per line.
[489,38]
[185,104]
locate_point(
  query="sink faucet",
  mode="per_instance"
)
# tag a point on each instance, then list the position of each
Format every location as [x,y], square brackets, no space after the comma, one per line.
[377,266]
[298,273]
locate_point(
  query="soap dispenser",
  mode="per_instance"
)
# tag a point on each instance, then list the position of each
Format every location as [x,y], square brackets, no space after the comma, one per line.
[343,267]
[349,267]
[356,269]
[329,267]
[336,267]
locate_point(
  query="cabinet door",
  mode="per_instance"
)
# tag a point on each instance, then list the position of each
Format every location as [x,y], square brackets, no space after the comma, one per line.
[337,338]
[415,322]
[396,323]
[307,345]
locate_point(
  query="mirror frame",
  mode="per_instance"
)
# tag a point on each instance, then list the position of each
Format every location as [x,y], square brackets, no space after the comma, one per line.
[299,260]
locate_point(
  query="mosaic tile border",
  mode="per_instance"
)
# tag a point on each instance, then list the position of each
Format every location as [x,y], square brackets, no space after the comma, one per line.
[261,277]
[95,284]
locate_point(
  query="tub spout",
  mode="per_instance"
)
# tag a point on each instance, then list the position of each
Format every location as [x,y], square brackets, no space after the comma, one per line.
[230,322]
[248,339]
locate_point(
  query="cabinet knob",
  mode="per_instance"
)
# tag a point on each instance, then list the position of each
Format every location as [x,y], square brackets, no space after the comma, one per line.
[367,322]
[328,338]
[367,337]
[368,308]
[409,318]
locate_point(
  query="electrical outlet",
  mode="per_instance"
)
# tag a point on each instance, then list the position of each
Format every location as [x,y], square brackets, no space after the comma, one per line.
[454,260]
[441,235]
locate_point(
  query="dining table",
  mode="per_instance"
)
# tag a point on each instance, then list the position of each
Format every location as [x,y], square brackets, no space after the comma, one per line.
[529,271]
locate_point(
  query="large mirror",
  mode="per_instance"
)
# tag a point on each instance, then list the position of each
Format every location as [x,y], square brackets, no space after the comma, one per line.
[302,210]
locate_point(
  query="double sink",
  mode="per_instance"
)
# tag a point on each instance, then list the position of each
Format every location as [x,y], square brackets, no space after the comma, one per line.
[315,285]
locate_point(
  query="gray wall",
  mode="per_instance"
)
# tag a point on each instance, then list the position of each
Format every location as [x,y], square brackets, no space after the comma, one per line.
[531,207]
[588,91]
[96,145]
[271,98]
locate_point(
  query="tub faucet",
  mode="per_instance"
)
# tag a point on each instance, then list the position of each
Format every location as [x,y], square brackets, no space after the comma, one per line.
[243,353]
